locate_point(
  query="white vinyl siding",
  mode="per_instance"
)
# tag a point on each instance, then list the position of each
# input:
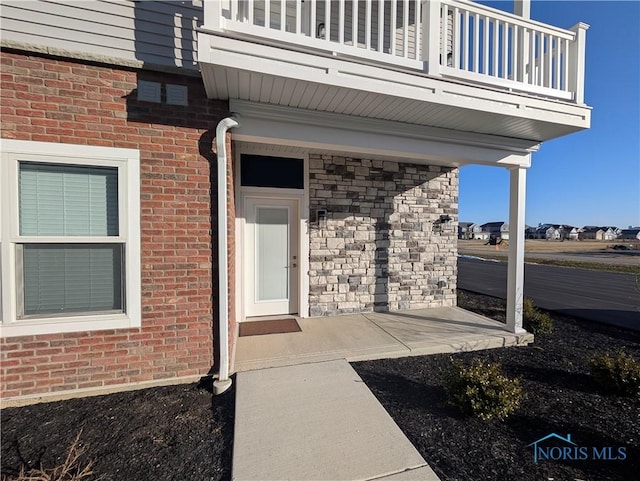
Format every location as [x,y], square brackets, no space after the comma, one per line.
[70,238]
[153,32]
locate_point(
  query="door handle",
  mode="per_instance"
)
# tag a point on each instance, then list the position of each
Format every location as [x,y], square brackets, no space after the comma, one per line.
[291,266]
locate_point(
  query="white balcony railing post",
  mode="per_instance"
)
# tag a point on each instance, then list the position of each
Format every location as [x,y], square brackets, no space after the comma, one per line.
[432,30]
[212,12]
[577,51]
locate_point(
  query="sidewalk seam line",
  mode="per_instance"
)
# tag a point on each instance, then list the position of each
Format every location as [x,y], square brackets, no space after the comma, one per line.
[385,331]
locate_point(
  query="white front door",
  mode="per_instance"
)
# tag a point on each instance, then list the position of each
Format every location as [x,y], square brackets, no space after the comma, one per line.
[271,256]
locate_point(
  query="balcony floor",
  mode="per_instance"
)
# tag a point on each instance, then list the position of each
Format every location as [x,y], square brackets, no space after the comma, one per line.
[376,335]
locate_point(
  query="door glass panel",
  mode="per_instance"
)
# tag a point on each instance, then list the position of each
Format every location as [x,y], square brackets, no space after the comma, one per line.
[272,253]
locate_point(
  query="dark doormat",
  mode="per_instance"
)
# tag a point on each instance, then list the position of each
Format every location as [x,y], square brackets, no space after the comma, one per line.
[274,326]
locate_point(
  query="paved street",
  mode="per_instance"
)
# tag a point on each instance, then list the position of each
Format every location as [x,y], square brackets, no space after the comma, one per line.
[600,296]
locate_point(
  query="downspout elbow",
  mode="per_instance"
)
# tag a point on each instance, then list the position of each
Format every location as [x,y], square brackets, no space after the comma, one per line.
[223,382]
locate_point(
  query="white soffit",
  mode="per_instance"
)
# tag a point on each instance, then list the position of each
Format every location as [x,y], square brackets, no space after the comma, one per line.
[313,131]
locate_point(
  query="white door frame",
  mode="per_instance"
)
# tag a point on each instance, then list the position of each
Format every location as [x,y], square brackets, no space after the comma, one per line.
[302,195]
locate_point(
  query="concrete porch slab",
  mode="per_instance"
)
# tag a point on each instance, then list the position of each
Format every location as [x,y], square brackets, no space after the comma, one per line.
[317,422]
[321,339]
[367,336]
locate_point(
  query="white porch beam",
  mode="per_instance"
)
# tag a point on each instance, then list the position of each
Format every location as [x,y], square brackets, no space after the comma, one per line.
[515,275]
[286,126]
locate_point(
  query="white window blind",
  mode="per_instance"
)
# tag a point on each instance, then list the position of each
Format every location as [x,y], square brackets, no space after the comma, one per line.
[61,200]
[72,278]
[67,200]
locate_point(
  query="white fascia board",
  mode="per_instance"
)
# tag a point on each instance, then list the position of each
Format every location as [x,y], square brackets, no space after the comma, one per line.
[268,60]
[334,132]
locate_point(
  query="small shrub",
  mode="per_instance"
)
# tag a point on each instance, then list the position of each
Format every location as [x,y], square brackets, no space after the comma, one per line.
[481,389]
[70,470]
[618,373]
[534,320]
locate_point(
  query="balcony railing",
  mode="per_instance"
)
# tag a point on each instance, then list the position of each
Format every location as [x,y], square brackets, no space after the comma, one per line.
[454,39]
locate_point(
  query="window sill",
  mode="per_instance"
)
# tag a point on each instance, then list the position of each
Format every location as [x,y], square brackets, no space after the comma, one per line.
[57,325]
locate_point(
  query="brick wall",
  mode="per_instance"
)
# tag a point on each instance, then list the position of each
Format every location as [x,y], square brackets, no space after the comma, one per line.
[382,246]
[51,100]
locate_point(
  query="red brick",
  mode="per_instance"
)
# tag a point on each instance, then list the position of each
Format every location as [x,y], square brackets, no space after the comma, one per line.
[85,104]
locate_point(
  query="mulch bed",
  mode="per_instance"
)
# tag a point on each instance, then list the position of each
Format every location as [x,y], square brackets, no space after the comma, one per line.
[561,398]
[169,433]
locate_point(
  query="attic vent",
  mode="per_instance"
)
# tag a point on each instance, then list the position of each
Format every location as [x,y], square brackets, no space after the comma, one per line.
[149,91]
[177,95]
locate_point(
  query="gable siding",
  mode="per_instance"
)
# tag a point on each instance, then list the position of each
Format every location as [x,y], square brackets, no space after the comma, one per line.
[156,33]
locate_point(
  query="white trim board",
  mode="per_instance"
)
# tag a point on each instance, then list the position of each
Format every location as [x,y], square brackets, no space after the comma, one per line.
[302,195]
[128,163]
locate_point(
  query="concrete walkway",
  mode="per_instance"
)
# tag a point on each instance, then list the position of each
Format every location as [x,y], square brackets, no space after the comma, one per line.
[317,422]
[302,412]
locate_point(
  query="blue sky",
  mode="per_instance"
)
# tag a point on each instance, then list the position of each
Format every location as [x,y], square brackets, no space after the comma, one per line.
[591,177]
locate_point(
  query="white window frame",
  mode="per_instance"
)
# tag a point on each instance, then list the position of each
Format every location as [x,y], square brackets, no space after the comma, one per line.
[127,161]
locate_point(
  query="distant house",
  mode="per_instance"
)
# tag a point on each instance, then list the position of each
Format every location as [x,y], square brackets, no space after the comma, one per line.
[611,233]
[553,232]
[496,229]
[630,234]
[615,231]
[591,232]
[546,231]
[465,230]
[478,233]
[570,232]
[531,233]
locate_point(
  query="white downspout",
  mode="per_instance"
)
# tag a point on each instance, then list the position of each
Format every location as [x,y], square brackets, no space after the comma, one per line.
[222,383]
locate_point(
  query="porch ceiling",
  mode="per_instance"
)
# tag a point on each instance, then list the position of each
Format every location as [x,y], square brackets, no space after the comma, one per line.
[234,69]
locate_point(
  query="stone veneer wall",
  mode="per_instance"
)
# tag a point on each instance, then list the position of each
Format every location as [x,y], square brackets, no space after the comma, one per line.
[381,246]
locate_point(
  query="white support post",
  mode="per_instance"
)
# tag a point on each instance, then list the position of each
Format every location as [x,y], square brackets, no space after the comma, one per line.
[522,8]
[515,274]
[431,28]
[577,50]
[212,10]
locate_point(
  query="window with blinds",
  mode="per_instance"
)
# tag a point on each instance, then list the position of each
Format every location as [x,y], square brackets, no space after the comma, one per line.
[60,275]
[69,238]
